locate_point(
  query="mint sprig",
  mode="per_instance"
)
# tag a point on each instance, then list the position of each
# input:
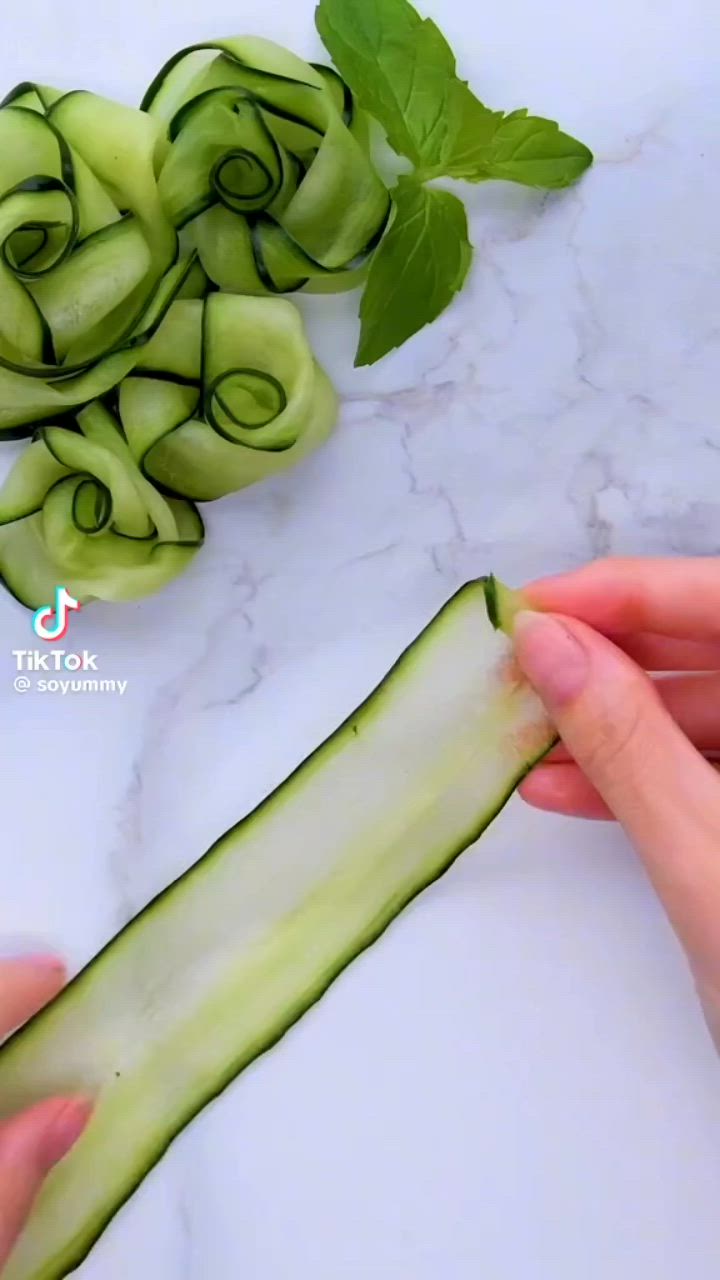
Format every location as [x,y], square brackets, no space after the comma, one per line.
[403,72]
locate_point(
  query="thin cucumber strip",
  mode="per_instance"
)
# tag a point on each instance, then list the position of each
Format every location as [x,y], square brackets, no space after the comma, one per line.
[25,333]
[101,428]
[341,92]
[253,130]
[33,475]
[179,78]
[37,97]
[97,278]
[217,968]
[228,155]
[257,256]
[118,145]
[31,147]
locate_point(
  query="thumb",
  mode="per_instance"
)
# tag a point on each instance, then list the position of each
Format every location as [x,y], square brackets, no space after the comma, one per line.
[664,793]
[30,1144]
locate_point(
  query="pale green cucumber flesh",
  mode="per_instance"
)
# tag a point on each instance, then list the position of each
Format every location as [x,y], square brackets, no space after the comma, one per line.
[218,967]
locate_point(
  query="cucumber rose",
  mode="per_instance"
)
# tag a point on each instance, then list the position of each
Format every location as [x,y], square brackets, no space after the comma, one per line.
[266,162]
[75,509]
[228,392]
[89,262]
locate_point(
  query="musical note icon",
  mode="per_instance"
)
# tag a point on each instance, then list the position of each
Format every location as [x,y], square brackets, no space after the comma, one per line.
[51,622]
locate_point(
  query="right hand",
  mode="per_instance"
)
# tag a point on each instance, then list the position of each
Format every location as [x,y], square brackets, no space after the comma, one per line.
[637,749]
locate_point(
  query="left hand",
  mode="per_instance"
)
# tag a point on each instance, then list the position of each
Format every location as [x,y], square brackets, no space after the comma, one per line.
[31,1143]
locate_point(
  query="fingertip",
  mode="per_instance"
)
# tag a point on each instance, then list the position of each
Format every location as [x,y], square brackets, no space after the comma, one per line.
[30,1145]
[45,1133]
[563,789]
[538,789]
[40,963]
[71,1118]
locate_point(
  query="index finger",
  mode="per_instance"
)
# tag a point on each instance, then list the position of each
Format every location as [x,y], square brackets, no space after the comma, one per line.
[619,596]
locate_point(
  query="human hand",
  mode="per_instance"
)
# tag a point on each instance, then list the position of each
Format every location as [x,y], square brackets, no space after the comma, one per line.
[31,1143]
[634,748]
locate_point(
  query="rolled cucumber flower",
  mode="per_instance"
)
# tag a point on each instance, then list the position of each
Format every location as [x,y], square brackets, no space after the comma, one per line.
[266,165]
[227,393]
[89,262]
[76,510]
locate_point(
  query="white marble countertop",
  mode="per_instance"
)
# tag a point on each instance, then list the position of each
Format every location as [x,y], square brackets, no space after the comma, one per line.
[515,1083]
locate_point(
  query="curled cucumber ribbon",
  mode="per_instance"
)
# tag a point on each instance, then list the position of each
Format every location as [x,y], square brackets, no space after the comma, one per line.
[265,162]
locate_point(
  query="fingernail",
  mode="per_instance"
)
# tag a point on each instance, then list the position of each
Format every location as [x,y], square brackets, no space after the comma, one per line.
[552,658]
[64,1128]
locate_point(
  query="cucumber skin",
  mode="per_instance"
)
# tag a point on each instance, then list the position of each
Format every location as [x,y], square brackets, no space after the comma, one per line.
[503,604]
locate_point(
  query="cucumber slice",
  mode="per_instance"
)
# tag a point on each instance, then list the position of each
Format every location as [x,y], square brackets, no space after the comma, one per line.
[228,392]
[215,971]
[75,509]
[267,163]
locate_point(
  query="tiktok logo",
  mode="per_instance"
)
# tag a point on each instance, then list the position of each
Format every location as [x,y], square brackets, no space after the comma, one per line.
[51,622]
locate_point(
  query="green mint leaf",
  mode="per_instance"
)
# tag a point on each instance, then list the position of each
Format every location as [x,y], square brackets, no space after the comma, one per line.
[417,270]
[472,134]
[402,70]
[525,149]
